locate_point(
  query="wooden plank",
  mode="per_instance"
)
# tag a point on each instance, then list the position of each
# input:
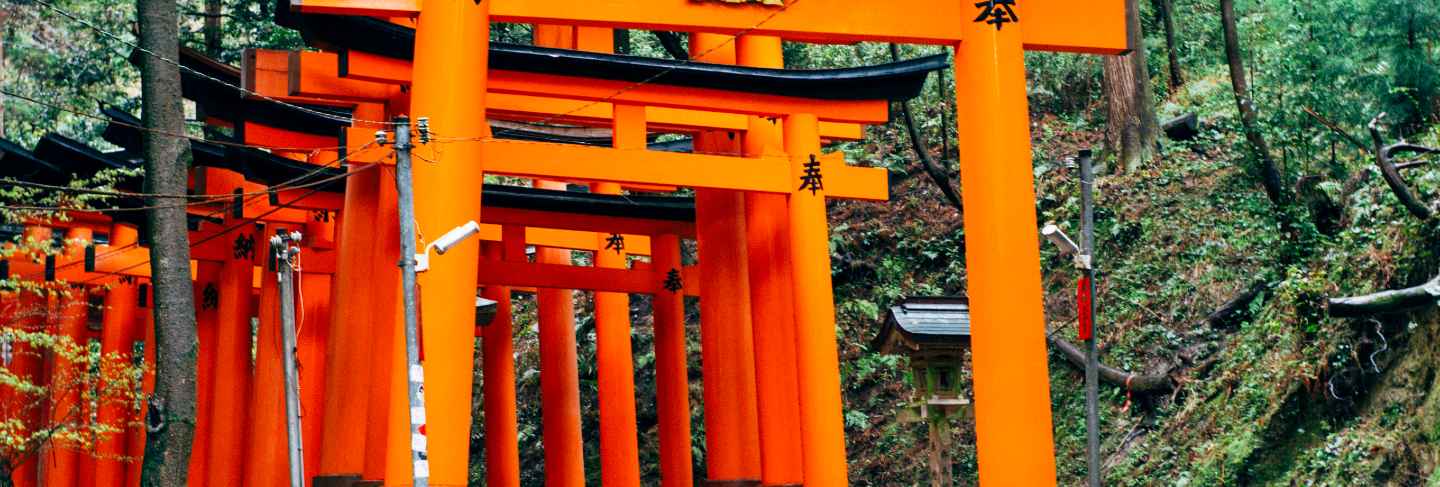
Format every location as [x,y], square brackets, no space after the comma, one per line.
[378,8]
[556,276]
[590,90]
[541,222]
[565,162]
[317,74]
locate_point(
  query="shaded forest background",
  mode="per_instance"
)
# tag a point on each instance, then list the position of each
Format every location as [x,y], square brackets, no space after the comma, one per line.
[1274,391]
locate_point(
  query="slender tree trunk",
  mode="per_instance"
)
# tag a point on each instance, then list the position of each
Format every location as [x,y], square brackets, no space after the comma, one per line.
[4,37]
[171,419]
[1270,172]
[1131,128]
[213,43]
[212,28]
[1166,11]
[917,143]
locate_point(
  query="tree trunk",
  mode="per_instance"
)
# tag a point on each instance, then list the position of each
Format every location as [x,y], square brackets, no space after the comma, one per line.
[672,43]
[212,28]
[1130,131]
[4,37]
[1166,10]
[1269,172]
[171,419]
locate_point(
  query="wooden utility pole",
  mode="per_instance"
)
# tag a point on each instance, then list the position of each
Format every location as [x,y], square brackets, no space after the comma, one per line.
[171,416]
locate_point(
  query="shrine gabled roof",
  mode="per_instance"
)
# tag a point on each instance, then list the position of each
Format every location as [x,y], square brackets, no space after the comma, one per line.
[892,81]
[20,164]
[265,168]
[256,165]
[925,321]
[213,85]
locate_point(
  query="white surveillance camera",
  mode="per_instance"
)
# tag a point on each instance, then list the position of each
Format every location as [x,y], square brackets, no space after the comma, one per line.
[453,237]
[1061,241]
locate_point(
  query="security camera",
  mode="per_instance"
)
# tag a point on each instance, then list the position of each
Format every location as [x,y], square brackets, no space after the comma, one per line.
[1061,241]
[446,242]
[453,237]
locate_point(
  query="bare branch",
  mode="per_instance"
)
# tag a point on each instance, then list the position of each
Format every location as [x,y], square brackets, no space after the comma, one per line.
[1336,128]
[671,42]
[917,144]
[1397,184]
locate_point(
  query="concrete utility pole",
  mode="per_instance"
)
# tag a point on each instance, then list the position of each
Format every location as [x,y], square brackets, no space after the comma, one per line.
[285,249]
[419,457]
[1087,310]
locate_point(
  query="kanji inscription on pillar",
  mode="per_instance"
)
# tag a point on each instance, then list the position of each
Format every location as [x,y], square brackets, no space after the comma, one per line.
[997,12]
[812,179]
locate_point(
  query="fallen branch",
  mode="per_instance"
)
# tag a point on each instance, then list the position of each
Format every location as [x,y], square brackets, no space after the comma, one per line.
[1145,383]
[1141,383]
[1397,184]
[918,145]
[1392,301]
[1226,313]
[1336,128]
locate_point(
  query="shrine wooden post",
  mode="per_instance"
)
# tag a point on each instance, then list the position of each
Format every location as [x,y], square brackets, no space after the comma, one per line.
[672,381]
[231,395]
[502,450]
[559,370]
[117,336]
[615,364]
[62,457]
[207,304]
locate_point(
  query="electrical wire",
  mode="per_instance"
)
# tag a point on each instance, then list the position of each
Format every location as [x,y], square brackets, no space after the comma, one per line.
[202,199]
[245,201]
[117,38]
[166,133]
[226,230]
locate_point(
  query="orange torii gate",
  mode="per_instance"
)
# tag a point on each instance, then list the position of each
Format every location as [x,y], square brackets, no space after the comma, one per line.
[1011,382]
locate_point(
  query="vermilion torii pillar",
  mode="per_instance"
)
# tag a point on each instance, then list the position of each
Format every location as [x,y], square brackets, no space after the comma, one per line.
[727,347]
[771,297]
[230,397]
[559,371]
[450,71]
[672,378]
[1002,252]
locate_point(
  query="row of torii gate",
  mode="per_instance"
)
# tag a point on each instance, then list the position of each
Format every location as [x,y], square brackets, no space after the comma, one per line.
[772,394]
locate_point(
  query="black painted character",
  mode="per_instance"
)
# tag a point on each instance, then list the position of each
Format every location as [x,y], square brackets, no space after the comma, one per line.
[245,247]
[210,297]
[616,242]
[672,281]
[997,12]
[812,180]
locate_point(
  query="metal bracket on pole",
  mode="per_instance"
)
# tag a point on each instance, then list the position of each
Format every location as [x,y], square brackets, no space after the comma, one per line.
[404,185]
[285,247]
